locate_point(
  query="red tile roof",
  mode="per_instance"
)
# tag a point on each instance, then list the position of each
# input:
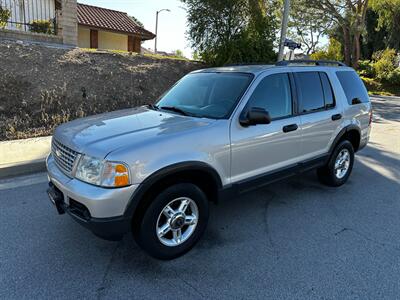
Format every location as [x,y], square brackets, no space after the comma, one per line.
[112,20]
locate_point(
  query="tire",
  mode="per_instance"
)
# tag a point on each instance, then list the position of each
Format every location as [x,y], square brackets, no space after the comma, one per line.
[336,177]
[169,245]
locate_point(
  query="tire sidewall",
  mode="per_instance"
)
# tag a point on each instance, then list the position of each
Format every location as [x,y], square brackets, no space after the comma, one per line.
[331,166]
[146,235]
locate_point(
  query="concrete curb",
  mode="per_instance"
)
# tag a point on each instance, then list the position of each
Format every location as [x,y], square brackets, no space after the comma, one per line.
[24,168]
[22,157]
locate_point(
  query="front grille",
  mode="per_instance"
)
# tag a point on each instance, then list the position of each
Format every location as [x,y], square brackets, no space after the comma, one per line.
[63,156]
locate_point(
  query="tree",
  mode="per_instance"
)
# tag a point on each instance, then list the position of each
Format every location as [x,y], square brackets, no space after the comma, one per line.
[196,55]
[373,36]
[349,15]
[231,31]
[334,51]
[308,25]
[179,53]
[389,20]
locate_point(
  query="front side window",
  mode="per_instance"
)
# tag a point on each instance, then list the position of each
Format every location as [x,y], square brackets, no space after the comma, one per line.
[310,91]
[209,95]
[274,95]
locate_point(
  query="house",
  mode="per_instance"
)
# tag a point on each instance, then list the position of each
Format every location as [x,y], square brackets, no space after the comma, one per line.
[70,23]
[103,28]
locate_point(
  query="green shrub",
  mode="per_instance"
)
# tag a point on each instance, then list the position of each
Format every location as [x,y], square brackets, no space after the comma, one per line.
[385,64]
[366,68]
[394,77]
[333,52]
[5,15]
[41,26]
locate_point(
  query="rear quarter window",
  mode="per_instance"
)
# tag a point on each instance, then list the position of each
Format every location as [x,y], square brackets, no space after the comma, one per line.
[353,86]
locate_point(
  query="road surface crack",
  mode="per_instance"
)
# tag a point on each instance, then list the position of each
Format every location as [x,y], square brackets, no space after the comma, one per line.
[102,287]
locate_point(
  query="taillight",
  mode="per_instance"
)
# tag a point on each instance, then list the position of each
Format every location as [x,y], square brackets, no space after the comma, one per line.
[370,117]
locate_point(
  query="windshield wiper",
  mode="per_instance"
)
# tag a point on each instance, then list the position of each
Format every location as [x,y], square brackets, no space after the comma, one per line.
[176,109]
[153,106]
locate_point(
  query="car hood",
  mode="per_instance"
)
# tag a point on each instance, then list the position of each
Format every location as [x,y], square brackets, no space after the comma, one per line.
[101,134]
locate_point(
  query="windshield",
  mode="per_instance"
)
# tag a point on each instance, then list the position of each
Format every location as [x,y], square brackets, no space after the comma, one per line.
[209,95]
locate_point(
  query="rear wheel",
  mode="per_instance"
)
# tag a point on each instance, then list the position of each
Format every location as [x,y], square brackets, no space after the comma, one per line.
[340,165]
[174,221]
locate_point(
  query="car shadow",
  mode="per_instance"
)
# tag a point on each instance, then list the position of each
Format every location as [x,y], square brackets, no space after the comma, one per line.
[262,222]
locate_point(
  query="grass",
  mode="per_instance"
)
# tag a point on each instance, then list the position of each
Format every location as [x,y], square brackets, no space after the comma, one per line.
[156,56]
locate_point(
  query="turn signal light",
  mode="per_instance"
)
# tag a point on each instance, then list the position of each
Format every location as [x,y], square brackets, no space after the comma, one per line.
[121,177]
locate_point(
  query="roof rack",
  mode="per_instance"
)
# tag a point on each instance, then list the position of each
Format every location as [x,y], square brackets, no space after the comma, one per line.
[308,61]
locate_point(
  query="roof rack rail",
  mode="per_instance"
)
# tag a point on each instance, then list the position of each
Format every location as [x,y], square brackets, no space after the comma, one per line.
[309,61]
[244,64]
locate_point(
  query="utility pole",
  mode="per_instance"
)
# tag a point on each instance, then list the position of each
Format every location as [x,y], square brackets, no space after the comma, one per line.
[155,39]
[285,18]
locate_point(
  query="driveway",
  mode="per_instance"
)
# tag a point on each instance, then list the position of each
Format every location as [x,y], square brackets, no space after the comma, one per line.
[292,239]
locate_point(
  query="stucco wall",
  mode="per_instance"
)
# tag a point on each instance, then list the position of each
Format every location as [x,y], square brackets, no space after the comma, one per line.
[83,37]
[115,41]
[106,40]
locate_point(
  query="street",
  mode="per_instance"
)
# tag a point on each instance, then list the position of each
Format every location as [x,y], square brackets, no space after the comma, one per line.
[292,239]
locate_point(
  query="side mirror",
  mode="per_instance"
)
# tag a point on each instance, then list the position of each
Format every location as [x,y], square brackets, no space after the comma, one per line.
[355,101]
[254,116]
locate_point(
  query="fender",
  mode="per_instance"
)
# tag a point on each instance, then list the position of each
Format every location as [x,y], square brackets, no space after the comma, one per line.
[163,173]
[341,134]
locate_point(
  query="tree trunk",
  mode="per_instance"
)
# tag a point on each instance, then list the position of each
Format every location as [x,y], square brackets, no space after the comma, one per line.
[356,50]
[347,45]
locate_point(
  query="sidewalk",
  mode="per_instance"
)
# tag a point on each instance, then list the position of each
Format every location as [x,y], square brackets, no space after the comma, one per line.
[25,156]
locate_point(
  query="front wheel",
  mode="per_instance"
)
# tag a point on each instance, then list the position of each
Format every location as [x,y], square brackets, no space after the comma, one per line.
[340,165]
[174,221]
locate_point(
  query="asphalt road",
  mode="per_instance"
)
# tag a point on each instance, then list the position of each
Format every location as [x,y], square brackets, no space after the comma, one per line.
[293,239]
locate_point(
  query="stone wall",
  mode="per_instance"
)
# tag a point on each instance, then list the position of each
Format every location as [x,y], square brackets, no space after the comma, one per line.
[69,22]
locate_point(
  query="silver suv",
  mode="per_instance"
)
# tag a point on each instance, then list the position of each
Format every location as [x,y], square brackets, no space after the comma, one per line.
[152,170]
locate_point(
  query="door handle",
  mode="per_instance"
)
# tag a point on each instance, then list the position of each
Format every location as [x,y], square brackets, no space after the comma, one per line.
[336,117]
[291,127]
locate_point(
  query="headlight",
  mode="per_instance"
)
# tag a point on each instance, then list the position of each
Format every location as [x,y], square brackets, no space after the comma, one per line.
[102,172]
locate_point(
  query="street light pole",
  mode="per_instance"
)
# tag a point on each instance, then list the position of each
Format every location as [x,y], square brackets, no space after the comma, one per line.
[285,17]
[155,39]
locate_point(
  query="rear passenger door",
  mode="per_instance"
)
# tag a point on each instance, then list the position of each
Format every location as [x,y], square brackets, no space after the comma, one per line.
[320,117]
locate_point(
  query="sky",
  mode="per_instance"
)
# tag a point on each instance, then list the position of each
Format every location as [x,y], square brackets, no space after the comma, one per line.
[171,25]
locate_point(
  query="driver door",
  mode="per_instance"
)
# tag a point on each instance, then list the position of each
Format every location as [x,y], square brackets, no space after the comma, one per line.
[260,149]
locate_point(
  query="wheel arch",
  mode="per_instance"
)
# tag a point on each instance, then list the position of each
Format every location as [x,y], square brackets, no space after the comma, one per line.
[199,173]
[350,132]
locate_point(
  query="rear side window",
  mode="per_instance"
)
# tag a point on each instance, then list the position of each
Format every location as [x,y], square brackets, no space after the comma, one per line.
[311,95]
[273,94]
[315,91]
[328,93]
[353,86]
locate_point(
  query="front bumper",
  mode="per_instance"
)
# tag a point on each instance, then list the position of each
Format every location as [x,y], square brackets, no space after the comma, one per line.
[99,209]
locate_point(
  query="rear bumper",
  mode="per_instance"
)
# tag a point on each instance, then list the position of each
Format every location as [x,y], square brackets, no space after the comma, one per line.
[365,134]
[101,210]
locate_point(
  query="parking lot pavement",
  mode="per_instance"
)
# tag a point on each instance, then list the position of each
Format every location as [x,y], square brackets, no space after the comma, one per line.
[292,239]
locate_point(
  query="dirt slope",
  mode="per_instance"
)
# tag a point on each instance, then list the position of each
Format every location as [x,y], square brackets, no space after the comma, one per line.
[41,87]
